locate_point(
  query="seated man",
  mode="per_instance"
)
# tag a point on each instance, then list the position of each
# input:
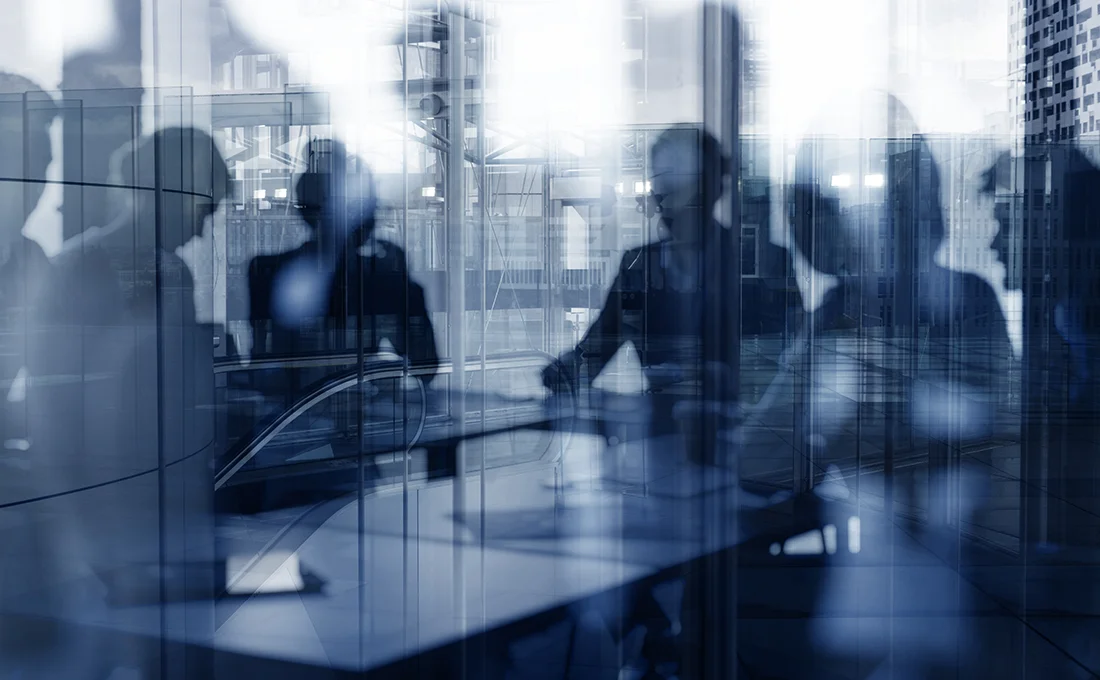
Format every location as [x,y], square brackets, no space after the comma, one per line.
[668,295]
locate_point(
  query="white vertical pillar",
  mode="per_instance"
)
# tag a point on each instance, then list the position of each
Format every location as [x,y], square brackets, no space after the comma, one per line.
[456,270]
[176,77]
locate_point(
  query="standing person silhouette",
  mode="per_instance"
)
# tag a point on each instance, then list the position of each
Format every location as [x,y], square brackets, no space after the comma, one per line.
[33,641]
[26,113]
[872,219]
[141,416]
[1060,328]
[866,209]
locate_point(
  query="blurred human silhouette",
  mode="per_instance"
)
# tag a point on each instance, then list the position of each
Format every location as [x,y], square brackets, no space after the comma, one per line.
[343,288]
[26,113]
[999,184]
[36,533]
[123,320]
[663,301]
[1075,213]
[920,342]
[1048,211]
[658,299]
[879,238]
[771,303]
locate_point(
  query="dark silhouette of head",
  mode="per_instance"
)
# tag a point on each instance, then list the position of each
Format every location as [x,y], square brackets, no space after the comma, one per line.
[336,195]
[194,181]
[999,183]
[26,114]
[1067,181]
[687,168]
[864,180]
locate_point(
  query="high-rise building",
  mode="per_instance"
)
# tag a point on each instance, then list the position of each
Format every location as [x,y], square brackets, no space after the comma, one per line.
[1060,41]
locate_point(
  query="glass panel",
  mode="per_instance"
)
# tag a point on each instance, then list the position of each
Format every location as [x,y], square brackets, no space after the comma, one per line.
[571,338]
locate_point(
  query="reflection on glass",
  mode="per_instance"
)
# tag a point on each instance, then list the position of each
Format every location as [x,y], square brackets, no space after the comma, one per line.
[512,339]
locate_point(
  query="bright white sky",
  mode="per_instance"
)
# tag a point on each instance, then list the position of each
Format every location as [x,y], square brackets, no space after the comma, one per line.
[560,61]
[32,46]
[814,48]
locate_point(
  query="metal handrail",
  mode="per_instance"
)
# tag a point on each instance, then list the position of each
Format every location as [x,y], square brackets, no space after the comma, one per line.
[378,371]
[235,365]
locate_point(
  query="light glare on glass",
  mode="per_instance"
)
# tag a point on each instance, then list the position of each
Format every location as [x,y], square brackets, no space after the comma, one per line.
[875,181]
[841,181]
[259,194]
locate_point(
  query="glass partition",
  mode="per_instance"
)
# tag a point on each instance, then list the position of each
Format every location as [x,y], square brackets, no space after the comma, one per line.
[517,338]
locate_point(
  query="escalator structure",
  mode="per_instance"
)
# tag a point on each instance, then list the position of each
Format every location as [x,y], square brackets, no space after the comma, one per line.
[289,447]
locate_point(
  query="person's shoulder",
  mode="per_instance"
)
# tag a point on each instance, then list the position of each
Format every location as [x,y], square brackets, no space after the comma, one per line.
[260,265]
[973,286]
[635,258]
[174,271]
[89,259]
[33,251]
[387,248]
[380,257]
[268,259]
[84,284]
[71,254]
[387,251]
[977,305]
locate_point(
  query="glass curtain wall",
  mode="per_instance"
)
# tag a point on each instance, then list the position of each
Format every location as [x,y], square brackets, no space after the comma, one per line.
[321,298]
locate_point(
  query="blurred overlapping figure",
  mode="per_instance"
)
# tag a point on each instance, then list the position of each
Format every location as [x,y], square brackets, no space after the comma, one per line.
[901,346]
[128,386]
[37,536]
[664,297]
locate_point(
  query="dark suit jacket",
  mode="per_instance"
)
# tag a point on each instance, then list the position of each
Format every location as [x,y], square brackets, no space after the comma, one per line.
[393,307]
[666,325]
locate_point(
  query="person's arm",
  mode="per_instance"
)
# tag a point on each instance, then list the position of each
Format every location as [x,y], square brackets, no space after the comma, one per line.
[395,294]
[602,339]
[255,291]
[421,348]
